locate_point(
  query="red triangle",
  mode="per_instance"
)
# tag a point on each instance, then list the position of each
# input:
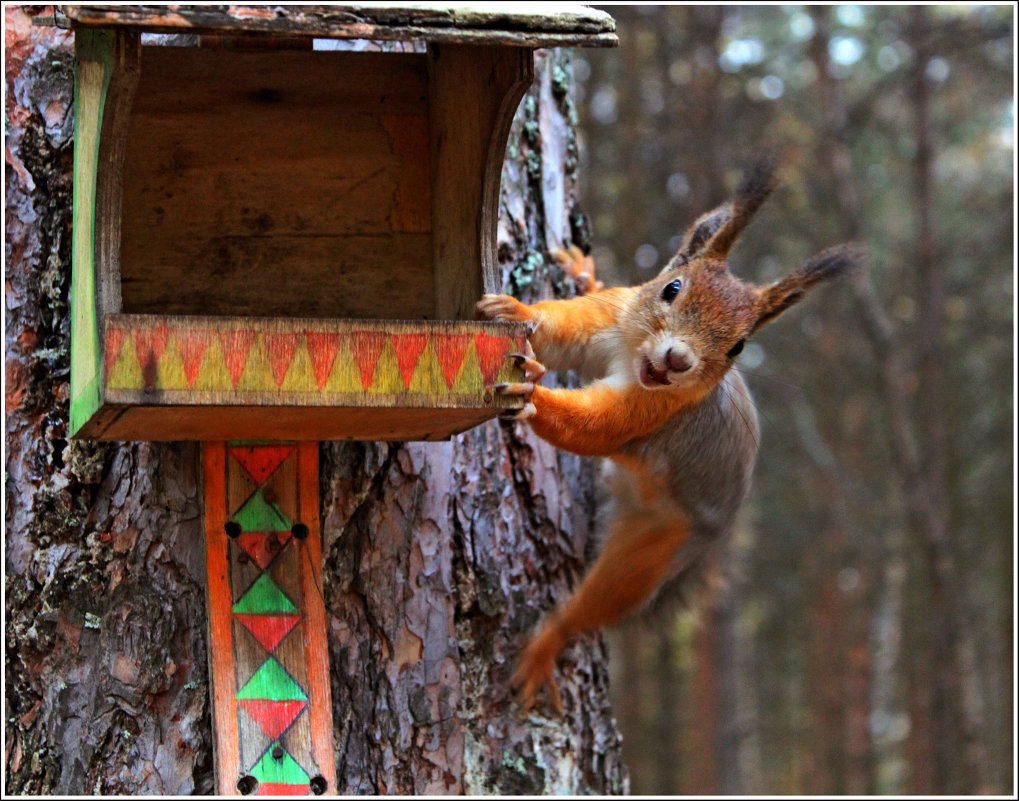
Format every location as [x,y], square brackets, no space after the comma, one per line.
[366,346]
[261,461]
[280,350]
[408,350]
[275,788]
[114,342]
[193,345]
[236,345]
[257,545]
[272,717]
[150,343]
[450,350]
[492,352]
[323,349]
[269,630]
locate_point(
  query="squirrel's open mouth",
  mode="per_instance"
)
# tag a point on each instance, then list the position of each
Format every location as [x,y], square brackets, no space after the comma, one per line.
[650,377]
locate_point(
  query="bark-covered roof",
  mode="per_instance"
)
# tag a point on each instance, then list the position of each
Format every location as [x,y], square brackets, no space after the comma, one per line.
[520,24]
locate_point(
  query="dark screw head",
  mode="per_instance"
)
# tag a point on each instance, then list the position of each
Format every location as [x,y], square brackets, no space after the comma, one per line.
[247,785]
[277,752]
[233,530]
[300,531]
[318,785]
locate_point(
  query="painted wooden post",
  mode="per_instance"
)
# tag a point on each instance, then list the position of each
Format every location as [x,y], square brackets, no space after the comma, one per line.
[267,627]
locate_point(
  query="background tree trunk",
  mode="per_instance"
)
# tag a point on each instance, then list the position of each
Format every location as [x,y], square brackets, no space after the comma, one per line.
[439,558]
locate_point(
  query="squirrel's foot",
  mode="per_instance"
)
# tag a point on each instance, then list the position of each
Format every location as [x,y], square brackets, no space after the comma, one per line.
[523,389]
[581,267]
[537,668]
[503,308]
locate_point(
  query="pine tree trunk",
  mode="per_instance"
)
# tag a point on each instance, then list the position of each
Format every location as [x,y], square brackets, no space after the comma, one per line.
[439,558]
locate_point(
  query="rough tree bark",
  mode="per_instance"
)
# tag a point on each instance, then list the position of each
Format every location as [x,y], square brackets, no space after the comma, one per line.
[438,557]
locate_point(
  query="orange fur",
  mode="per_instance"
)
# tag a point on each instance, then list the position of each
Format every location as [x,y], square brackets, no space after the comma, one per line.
[635,560]
[597,420]
[679,427]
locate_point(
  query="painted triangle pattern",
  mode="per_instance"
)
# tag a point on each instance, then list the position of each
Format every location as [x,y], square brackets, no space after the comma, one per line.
[272,695]
[212,356]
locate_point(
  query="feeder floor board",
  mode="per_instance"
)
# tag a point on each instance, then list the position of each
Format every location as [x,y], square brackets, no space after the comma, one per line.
[211,378]
[272,711]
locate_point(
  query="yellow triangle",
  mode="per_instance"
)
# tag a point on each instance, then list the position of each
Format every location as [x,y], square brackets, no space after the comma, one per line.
[388,380]
[213,375]
[257,373]
[509,373]
[300,375]
[469,380]
[428,378]
[170,370]
[126,372]
[345,377]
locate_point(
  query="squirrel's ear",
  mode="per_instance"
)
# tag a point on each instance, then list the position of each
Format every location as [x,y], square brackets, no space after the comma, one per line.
[716,232]
[831,263]
[698,234]
[754,189]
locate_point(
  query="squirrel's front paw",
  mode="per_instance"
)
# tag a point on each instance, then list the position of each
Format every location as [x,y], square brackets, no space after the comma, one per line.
[503,308]
[533,369]
[522,389]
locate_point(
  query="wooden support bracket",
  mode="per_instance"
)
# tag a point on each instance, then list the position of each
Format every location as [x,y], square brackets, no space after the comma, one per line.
[268,654]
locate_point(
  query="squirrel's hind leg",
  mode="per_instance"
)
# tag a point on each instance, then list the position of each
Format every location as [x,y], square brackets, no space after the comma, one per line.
[635,559]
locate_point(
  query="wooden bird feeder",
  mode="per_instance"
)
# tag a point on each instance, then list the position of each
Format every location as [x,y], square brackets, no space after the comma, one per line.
[287,243]
[273,245]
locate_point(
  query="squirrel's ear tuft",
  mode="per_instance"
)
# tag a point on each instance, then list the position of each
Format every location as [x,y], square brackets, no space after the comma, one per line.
[698,235]
[831,263]
[716,232]
[757,184]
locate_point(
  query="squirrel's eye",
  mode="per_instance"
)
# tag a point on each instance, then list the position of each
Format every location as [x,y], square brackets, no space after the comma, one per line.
[736,349]
[671,290]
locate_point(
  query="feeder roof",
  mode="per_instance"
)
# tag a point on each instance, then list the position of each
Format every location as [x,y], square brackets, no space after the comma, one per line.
[515,24]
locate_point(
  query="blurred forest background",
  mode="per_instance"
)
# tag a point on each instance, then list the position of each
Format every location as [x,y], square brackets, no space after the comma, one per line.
[863,642]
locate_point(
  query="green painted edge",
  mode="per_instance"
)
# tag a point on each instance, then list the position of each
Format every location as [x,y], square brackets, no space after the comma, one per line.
[93,51]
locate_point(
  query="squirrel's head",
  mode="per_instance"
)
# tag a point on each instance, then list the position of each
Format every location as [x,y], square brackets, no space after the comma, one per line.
[690,322]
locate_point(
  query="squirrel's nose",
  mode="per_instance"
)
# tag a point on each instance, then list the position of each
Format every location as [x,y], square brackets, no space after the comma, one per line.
[678,361]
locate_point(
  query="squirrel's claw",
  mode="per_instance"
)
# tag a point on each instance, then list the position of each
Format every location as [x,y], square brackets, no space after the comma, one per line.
[537,670]
[524,389]
[533,369]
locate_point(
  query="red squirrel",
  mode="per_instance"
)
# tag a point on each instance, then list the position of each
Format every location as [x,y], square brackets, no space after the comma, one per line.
[677,425]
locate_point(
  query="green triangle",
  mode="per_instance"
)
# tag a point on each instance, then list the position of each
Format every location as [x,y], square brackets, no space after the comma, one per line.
[279,771]
[258,514]
[264,597]
[272,681]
